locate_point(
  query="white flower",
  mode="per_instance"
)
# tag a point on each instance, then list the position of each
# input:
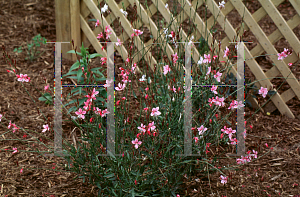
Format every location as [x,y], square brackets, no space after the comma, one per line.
[118,43]
[143,78]
[104,9]
[190,42]
[166,31]
[222,5]
[200,61]
[124,12]
[166,6]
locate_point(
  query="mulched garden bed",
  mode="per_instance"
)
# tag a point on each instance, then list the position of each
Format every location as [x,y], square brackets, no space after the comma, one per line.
[276,173]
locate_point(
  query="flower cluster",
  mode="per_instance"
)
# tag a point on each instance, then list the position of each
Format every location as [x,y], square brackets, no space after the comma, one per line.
[263,91]
[283,54]
[143,129]
[217,101]
[80,113]
[247,158]
[23,78]
[13,125]
[236,105]
[136,32]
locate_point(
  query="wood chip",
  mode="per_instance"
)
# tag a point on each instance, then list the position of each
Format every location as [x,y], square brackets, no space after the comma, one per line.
[276,177]
[277,159]
[276,164]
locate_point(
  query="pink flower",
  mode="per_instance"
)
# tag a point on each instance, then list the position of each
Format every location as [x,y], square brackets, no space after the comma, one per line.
[223,179]
[133,68]
[229,132]
[207,58]
[174,89]
[267,145]
[196,139]
[219,101]
[15,150]
[118,43]
[225,129]
[80,113]
[166,69]
[211,101]
[217,76]
[97,23]
[23,78]
[46,127]
[232,104]
[146,89]
[103,60]
[21,171]
[255,154]
[146,109]
[142,128]
[290,64]
[151,126]
[238,105]
[155,112]
[234,141]
[0,117]
[108,83]
[136,32]
[100,35]
[263,91]
[226,52]
[213,89]
[46,87]
[283,54]
[201,130]
[87,104]
[175,58]
[120,87]
[104,112]
[108,31]
[136,142]
[209,70]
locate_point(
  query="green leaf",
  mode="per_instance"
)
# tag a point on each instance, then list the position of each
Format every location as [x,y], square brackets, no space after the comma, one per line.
[42,99]
[110,175]
[73,51]
[134,93]
[108,151]
[95,55]
[83,50]
[92,20]
[79,74]
[74,66]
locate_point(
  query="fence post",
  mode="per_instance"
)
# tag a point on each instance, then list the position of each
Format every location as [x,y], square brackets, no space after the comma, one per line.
[63,26]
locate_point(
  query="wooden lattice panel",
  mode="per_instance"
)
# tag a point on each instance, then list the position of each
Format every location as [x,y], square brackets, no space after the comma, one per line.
[265,43]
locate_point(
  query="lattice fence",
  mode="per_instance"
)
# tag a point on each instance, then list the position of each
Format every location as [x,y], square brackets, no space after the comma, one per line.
[70,12]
